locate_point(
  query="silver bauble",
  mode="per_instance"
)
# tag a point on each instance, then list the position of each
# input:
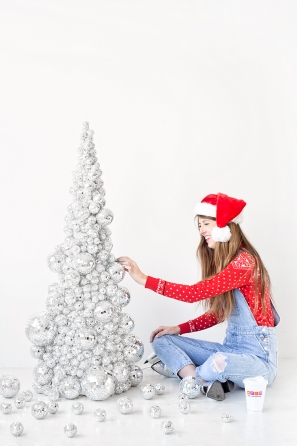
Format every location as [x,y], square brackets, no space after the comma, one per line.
[53,394]
[136,375]
[42,374]
[77,408]
[105,217]
[53,407]
[159,388]
[147,391]
[71,278]
[55,261]
[39,410]
[116,272]
[84,263]
[155,411]
[190,387]
[5,408]
[126,323]
[226,417]
[70,430]
[133,352]
[27,395]
[36,351]
[70,387]
[184,407]
[85,339]
[40,330]
[182,397]
[124,405]
[16,429]
[100,414]
[104,311]
[123,296]
[9,386]
[19,402]
[98,384]
[167,427]
[121,372]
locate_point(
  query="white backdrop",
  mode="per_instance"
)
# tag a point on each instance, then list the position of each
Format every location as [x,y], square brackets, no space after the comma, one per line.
[186,98]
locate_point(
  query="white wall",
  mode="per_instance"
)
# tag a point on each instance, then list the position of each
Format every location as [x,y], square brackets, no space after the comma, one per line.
[186,98]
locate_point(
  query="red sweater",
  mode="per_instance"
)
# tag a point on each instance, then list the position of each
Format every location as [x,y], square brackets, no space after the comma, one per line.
[238,274]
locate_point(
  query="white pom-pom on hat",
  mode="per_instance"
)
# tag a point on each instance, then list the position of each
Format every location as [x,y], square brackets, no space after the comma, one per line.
[221,234]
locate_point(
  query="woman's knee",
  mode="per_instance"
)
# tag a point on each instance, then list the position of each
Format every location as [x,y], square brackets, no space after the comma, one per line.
[159,343]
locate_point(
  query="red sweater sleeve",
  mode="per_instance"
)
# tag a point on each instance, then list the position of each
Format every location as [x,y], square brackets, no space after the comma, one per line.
[202,322]
[238,273]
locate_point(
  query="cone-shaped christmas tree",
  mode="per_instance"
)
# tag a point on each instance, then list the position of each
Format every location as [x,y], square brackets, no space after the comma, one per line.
[83,342]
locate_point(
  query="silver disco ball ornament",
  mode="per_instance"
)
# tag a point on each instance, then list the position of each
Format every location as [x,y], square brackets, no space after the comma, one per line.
[71,278]
[126,323]
[27,395]
[98,384]
[70,387]
[133,352]
[53,407]
[147,391]
[56,261]
[116,272]
[105,217]
[42,373]
[53,394]
[77,408]
[159,388]
[16,429]
[155,411]
[5,408]
[85,339]
[84,263]
[121,372]
[70,430]
[136,375]
[184,407]
[123,296]
[189,386]
[100,414]
[226,417]
[9,386]
[167,427]
[124,405]
[40,330]
[39,410]
[37,352]
[104,312]
[19,403]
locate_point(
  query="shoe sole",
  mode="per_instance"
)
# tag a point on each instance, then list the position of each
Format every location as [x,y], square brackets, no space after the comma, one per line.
[216,391]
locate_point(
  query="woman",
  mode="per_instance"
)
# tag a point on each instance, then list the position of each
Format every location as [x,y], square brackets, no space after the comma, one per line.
[235,288]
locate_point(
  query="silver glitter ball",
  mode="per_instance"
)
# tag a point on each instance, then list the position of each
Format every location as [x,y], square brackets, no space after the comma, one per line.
[182,397]
[167,427]
[53,407]
[16,429]
[121,372]
[85,339]
[39,410]
[123,296]
[84,263]
[42,373]
[189,386]
[104,312]
[5,408]
[53,394]
[124,405]
[27,395]
[105,217]
[226,417]
[155,411]
[9,386]
[160,389]
[98,384]
[147,391]
[19,403]
[184,407]
[70,430]
[37,352]
[116,272]
[55,261]
[133,352]
[40,330]
[77,408]
[70,387]
[126,323]
[136,375]
[100,414]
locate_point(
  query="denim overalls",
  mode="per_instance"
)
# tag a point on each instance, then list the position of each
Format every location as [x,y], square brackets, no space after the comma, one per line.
[248,349]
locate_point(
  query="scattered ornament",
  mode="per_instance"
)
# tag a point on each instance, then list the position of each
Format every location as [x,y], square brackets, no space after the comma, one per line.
[160,389]
[226,417]
[124,405]
[9,386]
[100,414]
[6,408]
[70,430]
[19,402]
[155,411]
[77,408]
[16,429]
[53,407]
[39,410]
[189,386]
[147,391]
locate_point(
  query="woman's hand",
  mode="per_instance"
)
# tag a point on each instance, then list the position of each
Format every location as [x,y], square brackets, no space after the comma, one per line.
[161,331]
[133,270]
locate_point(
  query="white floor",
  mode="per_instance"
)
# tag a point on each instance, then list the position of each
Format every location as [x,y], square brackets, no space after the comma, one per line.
[275,426]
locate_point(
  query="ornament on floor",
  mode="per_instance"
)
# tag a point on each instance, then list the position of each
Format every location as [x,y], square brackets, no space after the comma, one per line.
[27,395]
[167,427]
[159,388]
[147,391]
[83,341]
[124,405]
[6,408]
[53,407]
[17,429]
[77,408]
[39,410]
[226,417]
[19,402]
[189,386]
[182,397]
[100,414]
[184,407]
[9,386]
[155,411]
[70,430]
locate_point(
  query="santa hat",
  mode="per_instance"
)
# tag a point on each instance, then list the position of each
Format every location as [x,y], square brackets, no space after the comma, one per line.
[224,209]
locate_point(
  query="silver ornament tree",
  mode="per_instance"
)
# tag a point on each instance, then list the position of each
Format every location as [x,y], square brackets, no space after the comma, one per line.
[83,341]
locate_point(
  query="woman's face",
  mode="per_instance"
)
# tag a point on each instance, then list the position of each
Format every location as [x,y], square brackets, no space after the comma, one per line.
[205,226]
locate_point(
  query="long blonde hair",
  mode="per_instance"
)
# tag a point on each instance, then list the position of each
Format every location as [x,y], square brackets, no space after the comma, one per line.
[215,260]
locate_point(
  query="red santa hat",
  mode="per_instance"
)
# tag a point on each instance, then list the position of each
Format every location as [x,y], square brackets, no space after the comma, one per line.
[224,209]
